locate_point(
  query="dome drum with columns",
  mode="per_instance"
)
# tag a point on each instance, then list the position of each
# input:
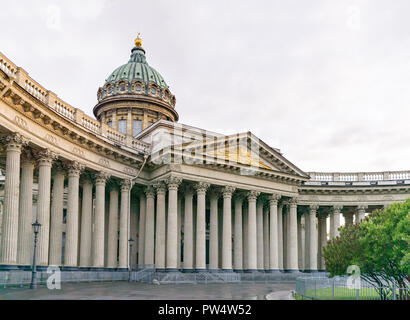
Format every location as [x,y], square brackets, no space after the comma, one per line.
[192,200]
[134,96]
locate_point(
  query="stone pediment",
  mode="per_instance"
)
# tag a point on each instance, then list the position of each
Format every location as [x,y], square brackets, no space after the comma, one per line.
[242,151]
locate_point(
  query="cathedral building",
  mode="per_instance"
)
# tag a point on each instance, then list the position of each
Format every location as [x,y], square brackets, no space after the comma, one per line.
[132,186]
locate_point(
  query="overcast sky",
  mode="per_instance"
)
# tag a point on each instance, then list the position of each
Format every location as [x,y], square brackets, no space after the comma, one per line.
[327,82]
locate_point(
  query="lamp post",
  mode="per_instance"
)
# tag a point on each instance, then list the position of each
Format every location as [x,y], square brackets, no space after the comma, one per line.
[131,241]
[36,228]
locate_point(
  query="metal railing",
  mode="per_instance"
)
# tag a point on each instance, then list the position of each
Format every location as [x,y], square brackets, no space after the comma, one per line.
[337,288]
[23,278]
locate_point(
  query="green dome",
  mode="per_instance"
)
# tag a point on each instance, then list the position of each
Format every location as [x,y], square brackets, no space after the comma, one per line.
[137,68]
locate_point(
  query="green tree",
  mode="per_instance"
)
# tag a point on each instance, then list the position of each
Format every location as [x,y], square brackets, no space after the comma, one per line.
[379,245]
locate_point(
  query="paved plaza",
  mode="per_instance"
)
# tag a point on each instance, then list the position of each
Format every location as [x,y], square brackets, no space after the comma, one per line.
[144,291]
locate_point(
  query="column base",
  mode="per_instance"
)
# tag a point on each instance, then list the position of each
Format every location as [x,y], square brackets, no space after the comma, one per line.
[160,269]
[25,268]
[273,271]
[97,269]
[171,270]
[41,268]
[251,271]
[69,268]
[227,270]
[188,270]
[310,271]
[120,269]
[6,267]
[238,270]
[292,271]
[214,270]
[201,270]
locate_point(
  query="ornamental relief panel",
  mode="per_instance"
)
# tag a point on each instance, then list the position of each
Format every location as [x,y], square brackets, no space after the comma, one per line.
[79,152]
[50,138]
[104,162]
[21,123]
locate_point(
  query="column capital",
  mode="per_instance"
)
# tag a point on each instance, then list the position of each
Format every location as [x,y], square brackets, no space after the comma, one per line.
[160,187]
[126,185]
[46,157]
[173,182]
[201,186]
[252,195]
[362,208]
[337,208]
[227,191]
[313,208]
[274,198]
[101,178]
[293,201]
[149,191]
[14,141]
[74,168]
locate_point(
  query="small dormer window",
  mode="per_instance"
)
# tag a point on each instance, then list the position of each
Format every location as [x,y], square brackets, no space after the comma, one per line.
[110,90]
[153,91]
[122,87]
[138,87]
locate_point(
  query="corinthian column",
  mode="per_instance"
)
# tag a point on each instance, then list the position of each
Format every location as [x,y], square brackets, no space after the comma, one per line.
[45,159]
[99,220]
[259,234]
[245,236]
[361,213]
[280,236]
[25,233]
[292,251]
[336,220]
[126,186]
[160,227]
[141,232]
[71,240]
[307,242]
[313,241]
[266,239]
[213,230]
[238,247]
[149,226]
[86,224]
[200,261]
[172,230]
[252,242]
[56,221]
[8,248]
[227,229]
[188,230]
[323,239]
[113,229]
[273,235]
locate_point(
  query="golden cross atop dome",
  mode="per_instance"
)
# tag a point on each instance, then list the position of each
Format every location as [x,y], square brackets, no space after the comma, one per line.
[138,41]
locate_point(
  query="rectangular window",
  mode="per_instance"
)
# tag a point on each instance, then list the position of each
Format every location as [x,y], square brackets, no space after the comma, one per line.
[136,127]
[122,126]
[109,123]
